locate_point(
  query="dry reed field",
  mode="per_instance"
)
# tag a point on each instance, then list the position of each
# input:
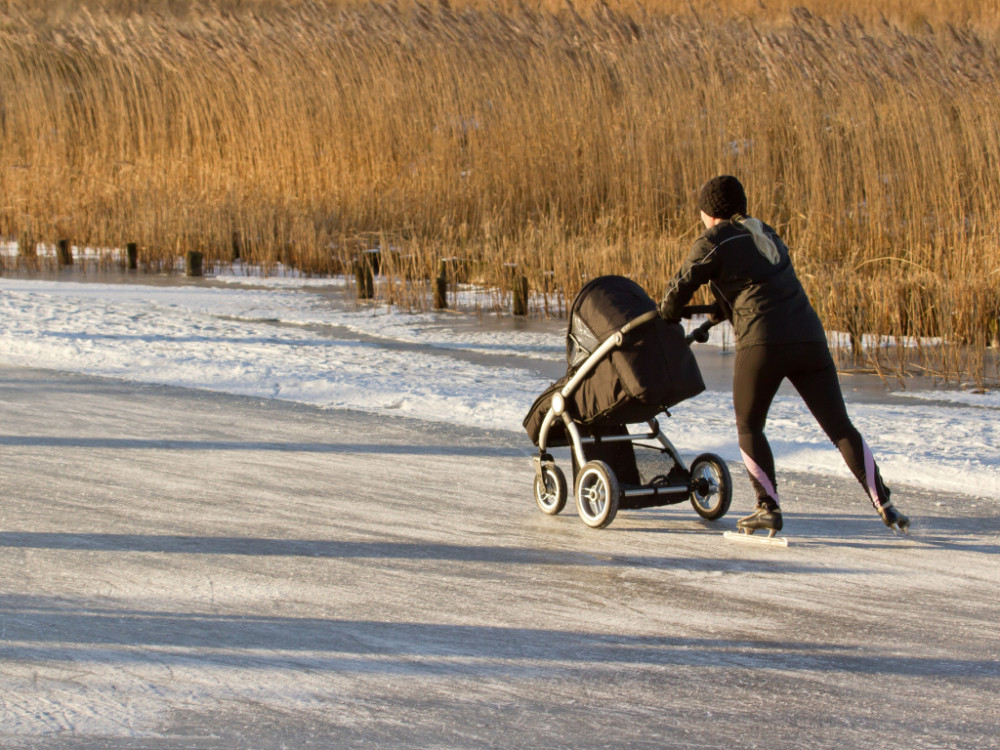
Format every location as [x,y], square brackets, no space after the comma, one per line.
[567,140]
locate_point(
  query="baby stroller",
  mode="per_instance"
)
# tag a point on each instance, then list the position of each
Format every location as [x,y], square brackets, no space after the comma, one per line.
[625,365]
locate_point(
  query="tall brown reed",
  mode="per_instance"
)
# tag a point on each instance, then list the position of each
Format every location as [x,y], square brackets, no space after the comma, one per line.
[567,142]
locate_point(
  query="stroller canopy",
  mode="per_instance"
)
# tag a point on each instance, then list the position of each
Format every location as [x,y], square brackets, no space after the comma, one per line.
[653,369]
[601,308]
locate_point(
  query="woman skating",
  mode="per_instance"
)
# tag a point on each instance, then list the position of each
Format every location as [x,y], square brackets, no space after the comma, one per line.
[778,336]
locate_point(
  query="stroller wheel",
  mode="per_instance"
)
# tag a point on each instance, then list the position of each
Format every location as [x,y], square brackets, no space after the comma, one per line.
[550,489]
[597,494]
[711,486]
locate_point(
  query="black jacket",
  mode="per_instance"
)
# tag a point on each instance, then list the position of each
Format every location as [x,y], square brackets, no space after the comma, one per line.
[765,302]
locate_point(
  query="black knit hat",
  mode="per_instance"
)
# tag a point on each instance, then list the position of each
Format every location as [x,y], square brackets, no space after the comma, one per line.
[723,197]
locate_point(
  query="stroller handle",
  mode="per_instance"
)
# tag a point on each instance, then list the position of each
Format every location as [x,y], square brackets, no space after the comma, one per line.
[700,334]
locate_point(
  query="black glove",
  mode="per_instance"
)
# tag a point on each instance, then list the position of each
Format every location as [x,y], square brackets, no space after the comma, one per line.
[717,315]
[671,319]
[700,335]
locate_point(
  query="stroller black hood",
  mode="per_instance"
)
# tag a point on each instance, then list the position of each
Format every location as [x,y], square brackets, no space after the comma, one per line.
[653,370]
[601,308]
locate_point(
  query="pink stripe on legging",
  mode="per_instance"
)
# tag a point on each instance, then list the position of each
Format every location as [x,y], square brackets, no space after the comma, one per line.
[758,473]
[870,475]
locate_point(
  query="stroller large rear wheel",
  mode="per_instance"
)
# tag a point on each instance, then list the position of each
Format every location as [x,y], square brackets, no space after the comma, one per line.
[550,489]
[597,494]
[711,486]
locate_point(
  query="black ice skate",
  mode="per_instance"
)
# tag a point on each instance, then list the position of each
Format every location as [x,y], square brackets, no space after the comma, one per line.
[894,519]
[762,519]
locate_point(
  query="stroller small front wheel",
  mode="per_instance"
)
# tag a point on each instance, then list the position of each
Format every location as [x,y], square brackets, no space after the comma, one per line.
[711,486]
[597,494]
[550,489]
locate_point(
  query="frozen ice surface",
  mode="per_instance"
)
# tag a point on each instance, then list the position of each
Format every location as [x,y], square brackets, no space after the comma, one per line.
[189,569]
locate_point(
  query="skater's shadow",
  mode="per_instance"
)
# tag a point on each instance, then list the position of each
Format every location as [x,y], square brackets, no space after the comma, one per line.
[415,550]
[980,534]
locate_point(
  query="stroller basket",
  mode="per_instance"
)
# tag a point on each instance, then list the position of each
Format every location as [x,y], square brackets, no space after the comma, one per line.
[625,365]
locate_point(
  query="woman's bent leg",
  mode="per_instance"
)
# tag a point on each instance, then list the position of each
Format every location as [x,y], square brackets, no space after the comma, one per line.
[816,381]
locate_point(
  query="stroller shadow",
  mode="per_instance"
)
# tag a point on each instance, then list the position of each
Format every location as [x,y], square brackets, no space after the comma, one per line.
[139,444]
[978,534]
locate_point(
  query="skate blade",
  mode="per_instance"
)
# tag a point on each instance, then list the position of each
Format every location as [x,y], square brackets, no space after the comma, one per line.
[742,536]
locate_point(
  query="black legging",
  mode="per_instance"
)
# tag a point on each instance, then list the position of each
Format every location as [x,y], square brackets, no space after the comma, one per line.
[809,367]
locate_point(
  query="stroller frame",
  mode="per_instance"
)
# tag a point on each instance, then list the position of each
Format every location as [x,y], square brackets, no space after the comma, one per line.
[599,495]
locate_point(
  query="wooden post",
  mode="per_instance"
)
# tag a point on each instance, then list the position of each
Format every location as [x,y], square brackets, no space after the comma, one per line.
[441,286]
[132,255]
[65,253]
[520,304]
[855,332]
[193,263]
[363,277]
